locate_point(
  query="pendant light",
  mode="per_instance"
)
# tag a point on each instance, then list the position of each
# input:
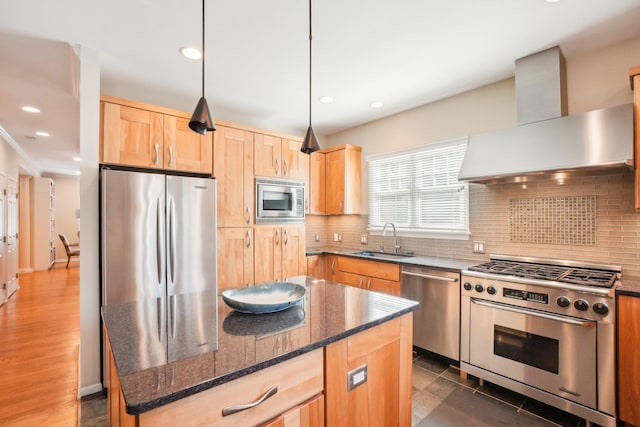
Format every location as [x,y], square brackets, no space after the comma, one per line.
[201,120]
[310,143]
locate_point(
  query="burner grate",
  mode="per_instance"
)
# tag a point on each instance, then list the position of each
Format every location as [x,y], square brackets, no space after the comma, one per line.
[526,270]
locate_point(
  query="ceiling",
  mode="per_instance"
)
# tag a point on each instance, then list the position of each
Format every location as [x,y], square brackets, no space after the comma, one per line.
[404,54]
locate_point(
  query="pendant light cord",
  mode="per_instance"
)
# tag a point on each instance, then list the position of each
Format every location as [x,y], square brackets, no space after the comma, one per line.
[310,63]
[203,48]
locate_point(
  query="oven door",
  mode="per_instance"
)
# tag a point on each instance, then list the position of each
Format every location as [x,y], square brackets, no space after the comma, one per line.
[544,350]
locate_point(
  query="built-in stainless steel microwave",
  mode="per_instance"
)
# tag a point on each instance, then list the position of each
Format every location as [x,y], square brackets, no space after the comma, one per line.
[279,200]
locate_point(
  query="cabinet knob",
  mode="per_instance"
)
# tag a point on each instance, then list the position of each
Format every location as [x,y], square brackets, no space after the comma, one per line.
[286,168]
[277,167]
[155,154]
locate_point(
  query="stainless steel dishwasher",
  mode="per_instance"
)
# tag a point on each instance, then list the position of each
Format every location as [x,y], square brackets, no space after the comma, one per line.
[436,323]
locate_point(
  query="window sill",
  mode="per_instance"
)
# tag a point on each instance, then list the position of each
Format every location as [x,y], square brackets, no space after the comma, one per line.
[422,234]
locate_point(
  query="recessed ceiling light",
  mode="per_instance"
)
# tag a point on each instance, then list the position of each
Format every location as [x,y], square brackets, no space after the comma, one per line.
[76,159]
[326,99]
[552,1]
[78,173]
[42,133]
[30,109]
[191,53]
[377,104]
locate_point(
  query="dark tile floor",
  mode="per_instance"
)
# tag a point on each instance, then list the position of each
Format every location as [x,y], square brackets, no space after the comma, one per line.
[440,399]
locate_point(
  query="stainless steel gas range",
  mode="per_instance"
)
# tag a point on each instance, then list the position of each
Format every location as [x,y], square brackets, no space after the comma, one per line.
[544,328]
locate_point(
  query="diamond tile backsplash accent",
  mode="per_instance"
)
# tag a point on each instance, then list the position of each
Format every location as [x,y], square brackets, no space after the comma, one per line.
[553,220]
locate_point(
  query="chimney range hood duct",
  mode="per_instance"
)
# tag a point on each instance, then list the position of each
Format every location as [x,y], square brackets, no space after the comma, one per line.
[547,144]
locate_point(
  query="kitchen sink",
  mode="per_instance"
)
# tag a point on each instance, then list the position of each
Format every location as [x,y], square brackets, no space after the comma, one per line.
[382,255]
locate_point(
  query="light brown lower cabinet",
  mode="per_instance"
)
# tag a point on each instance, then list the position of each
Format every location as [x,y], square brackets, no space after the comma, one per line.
[370,275]
[628,359]
[384,399]
[315,266]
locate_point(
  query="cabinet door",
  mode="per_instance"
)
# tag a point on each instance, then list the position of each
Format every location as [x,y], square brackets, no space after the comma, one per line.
[294,260]
[293,160]
[334,185]
[385,398]
[316,183]
[382,285]
[352,279]
[628,358]
[268,156]
[233,169]
[184,149]
[315,266]
[235,258]
[131,136]
[331,267]
[634,73]
[268,253]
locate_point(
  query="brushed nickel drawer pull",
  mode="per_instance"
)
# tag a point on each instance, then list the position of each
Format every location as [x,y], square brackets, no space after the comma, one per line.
[237,408]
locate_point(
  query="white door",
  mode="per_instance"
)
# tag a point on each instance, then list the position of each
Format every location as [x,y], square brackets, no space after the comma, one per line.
[3,239]
[11,262]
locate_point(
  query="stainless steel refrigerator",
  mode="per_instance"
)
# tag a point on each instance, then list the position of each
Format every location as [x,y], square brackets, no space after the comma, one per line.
[158,247]
[158,235]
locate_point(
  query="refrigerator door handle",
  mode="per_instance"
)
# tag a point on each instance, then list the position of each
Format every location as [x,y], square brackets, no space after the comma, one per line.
[172,241]
[173,308]
[158,244]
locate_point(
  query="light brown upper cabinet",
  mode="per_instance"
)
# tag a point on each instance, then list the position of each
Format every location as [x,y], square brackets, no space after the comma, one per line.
[279,157]
[342,180]
[233,169]
[634,76]
[137,134]
[316,183]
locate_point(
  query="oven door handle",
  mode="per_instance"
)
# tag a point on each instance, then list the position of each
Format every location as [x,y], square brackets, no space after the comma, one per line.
[549,316]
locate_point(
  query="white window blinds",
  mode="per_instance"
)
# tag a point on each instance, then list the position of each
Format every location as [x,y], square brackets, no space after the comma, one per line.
[418,190]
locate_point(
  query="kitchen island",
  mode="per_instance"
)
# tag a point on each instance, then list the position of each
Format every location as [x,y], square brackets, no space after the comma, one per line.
[340,357]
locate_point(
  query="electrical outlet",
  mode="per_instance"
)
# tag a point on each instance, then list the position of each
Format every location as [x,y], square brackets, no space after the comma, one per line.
[317,237]
[478,246]
[335,237]
[339,237]
[364,239]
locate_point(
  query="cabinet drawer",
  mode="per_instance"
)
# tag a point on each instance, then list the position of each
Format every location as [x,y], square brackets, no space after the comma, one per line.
[297,380]
[383,270]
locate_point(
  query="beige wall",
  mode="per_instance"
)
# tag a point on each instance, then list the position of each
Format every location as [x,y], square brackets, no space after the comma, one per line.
[67,201]
[595,80]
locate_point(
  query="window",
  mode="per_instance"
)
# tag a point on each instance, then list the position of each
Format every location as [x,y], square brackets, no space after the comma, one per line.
[419,192]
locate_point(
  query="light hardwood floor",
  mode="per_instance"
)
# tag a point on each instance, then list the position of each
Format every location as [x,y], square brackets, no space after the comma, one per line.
[39,344]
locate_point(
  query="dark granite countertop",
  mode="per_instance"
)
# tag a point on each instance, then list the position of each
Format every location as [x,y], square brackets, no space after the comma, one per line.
[629,286]
[450,264]
[166,349]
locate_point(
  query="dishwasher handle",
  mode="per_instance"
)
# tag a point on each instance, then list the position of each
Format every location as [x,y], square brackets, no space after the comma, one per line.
[430,276]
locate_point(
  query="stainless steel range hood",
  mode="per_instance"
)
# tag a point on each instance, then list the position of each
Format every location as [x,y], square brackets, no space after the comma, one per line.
[548,145]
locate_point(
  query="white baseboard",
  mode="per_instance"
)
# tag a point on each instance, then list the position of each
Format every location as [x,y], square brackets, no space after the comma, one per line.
[90,389]
[25,270]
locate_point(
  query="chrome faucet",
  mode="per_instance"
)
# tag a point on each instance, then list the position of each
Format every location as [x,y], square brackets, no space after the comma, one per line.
[395,237]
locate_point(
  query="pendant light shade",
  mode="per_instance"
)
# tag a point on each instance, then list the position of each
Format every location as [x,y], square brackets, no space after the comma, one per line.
[310,143]
[201,120]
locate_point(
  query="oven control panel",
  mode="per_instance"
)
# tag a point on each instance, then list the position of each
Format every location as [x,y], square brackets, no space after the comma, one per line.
[554,300]
[526,295]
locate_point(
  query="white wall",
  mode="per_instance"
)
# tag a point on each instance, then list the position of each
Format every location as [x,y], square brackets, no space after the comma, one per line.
[594,80]
[89,377]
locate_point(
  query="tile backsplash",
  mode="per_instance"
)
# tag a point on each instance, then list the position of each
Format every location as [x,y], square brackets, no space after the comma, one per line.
[600,223]
[556,220]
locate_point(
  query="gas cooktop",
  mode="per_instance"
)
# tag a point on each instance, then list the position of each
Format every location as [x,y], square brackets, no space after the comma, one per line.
[545,269]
